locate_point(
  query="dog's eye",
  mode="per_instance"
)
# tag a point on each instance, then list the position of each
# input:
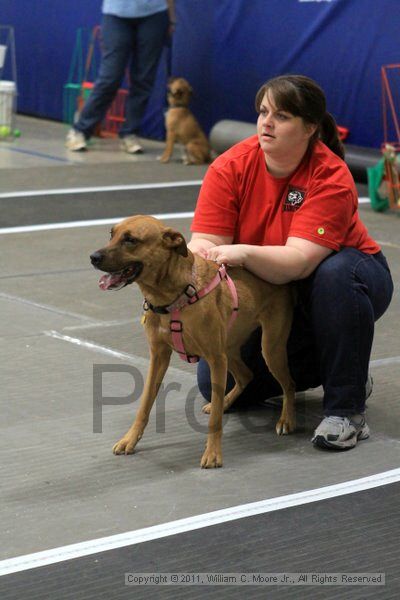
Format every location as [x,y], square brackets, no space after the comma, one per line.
[129,239]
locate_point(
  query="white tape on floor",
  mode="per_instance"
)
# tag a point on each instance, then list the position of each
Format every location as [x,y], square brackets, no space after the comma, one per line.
[139,361]
[97,222]
[55,555]
[97,189]
[383,362]
[91,223]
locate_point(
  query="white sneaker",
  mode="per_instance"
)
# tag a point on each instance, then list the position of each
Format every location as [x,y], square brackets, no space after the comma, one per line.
[75,140]
[131,144]
[341,433]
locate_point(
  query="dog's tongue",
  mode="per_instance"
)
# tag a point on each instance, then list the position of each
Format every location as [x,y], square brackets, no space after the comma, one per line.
[112,281]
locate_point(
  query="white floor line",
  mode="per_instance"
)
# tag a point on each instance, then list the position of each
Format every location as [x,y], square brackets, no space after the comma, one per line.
[91,223]
[97,222]
[388,244]
[105,188]
[139,361]
[384,362]
[132,357]
[55,555]
[92,346]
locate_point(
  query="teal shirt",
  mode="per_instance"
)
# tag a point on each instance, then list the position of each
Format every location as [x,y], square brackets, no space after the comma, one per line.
[133,8]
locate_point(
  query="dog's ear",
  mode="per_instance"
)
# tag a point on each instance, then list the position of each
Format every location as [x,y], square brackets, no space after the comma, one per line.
[174,239]
[171,80]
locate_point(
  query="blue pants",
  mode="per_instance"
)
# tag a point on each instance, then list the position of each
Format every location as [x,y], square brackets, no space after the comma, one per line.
[331,337]
[134,42]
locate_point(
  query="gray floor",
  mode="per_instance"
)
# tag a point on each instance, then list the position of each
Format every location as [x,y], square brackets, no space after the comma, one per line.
[261,544]
[60,481]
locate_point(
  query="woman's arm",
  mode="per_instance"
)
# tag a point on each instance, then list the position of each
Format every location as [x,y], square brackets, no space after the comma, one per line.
[276,264]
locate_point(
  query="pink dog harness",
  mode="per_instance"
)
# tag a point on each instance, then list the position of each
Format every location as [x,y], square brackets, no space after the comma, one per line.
[189,296]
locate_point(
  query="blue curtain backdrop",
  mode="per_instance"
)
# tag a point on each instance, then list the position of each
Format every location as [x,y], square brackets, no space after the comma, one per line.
[227,49]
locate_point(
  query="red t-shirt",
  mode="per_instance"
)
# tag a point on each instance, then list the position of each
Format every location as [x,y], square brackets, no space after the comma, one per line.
[318,202]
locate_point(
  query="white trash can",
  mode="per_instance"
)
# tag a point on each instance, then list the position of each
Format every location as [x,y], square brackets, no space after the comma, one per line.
[3,54]
[7,95]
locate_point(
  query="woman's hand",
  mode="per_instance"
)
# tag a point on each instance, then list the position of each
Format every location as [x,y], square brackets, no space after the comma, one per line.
[202,242]
[234,255]
[200,247]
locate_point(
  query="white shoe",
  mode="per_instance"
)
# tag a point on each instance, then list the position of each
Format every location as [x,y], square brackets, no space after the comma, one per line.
[131,144]
[341,433]
[75,140]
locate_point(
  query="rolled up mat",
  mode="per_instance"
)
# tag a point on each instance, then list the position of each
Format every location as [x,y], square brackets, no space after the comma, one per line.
[226,133]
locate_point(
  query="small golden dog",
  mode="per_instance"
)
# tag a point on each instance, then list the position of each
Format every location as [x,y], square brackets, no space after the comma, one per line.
[190,304]
[182,126]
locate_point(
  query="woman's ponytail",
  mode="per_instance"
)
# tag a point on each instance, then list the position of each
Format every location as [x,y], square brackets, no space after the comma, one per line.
[330,136]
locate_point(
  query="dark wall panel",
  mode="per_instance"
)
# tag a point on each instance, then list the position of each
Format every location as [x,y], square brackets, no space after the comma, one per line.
[227,48]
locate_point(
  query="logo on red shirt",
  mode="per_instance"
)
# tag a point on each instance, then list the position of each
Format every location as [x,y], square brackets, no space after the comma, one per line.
[294,199]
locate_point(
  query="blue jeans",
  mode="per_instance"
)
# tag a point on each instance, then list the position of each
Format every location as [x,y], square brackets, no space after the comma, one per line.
[134,42]
[331,338]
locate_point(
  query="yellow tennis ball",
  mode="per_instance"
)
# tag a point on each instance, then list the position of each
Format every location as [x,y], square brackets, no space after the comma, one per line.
[4,131]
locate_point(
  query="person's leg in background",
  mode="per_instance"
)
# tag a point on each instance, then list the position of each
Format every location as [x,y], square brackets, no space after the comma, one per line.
[116,41]
[149,39]
[349,291]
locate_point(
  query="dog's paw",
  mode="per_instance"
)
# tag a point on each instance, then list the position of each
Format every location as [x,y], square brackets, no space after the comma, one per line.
[211,459]
[163,159]
[126,445]
[207,407]
[285,426]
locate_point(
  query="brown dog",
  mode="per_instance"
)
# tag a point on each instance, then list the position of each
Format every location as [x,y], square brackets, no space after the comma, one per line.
[143,250]
[182,127]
